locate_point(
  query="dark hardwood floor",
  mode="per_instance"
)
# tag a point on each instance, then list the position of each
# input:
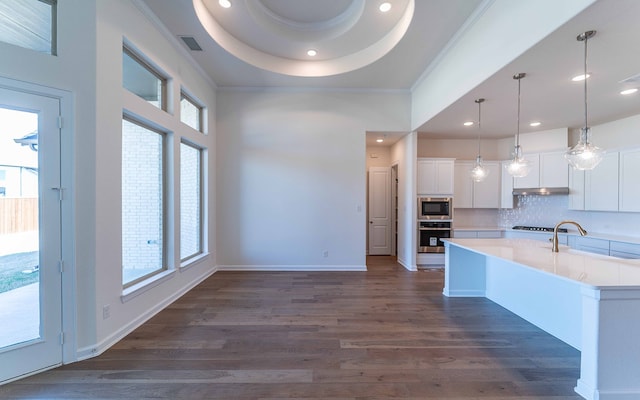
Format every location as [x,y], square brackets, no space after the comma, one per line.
[385,333]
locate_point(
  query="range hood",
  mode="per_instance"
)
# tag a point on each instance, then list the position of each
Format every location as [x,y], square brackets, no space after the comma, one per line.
[540,191]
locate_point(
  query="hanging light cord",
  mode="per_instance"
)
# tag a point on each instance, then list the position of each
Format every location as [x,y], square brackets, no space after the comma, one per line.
[479,101]
[519,77]
[586,39]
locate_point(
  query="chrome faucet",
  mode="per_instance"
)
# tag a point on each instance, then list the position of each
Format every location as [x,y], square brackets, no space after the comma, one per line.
[554,247]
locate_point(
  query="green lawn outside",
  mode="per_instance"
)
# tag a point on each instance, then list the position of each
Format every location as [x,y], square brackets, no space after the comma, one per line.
[12,267]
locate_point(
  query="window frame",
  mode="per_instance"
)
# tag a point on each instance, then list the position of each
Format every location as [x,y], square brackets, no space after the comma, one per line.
[186,95]
[166,171]
[201,200]
[52,48]
[150,67]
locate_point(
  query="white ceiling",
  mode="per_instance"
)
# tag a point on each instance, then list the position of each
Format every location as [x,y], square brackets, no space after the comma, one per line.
[254,38]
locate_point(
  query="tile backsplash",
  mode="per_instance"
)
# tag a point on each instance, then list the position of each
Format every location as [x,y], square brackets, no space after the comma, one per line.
[549,210]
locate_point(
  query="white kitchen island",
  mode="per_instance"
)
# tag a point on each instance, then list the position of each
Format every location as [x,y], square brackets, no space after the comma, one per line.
[589,301]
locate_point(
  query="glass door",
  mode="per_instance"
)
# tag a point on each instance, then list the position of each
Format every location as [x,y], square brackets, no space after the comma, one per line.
[30,242]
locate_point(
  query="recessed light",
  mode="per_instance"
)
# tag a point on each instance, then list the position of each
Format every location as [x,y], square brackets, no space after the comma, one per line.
[224,3]
[384,7]
[312,53]
[579,78]
[629,91]
[468,123]
[536,123]
[379,140]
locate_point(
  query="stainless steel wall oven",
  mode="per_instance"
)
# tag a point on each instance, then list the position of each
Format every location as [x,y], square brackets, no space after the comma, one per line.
[429,235]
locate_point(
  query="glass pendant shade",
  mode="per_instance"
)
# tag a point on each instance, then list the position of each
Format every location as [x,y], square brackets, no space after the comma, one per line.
[479,172]
[584,155]
[519,167]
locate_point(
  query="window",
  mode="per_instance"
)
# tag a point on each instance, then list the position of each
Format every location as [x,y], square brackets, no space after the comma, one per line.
[190,201]
[190,112]
[143,205]
[140,78]
[29,23]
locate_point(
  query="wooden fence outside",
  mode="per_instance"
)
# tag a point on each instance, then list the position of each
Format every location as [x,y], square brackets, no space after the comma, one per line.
[18,215]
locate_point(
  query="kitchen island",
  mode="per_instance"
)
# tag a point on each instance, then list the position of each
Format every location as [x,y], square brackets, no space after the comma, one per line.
[589,301]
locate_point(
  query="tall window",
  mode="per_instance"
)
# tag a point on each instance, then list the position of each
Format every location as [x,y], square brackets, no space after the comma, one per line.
[143,205]
[140,78]
[190,201]
[191,112]
[29,23]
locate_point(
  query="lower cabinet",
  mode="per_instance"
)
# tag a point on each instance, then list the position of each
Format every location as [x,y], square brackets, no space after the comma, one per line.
[624,250]
[482,234]
[590,245]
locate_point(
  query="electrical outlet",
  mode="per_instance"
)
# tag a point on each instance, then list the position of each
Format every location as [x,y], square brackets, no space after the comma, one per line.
[106,311]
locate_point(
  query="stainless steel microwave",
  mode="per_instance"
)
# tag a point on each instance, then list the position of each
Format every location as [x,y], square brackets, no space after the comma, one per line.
[431,208]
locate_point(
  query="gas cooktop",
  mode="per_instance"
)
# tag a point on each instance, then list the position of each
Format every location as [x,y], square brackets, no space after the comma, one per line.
[538,228]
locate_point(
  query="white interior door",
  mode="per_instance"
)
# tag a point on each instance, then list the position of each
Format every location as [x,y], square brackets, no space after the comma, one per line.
[30,234]
[379,211]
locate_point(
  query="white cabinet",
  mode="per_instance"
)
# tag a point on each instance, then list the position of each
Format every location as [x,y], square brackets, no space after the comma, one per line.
[576,189]
[554,170]
[624,250]
[486,194]
[482,234]
[462,185]
[591,245]
[470,194]
[435,176]
[549,170]
[506,186]
[601,185]
[629,180]
[532,180]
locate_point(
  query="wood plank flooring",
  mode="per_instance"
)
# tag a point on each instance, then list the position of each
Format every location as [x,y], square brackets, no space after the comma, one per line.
[385,333]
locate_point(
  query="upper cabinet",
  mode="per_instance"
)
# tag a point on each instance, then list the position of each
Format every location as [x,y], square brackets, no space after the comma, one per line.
[532,180]
[470,194]
[629,182]
[435,176]
[547,170]
[601,185]
[554,170]
[506,186]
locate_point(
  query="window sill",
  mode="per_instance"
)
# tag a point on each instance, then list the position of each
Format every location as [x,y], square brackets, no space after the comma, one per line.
[141,287]
[186,264]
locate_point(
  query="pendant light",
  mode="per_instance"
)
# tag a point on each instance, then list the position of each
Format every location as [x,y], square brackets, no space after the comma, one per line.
[584,155]
[518,167]
[479,172]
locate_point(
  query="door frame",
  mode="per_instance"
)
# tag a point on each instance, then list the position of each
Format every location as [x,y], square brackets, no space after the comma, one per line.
[67,207]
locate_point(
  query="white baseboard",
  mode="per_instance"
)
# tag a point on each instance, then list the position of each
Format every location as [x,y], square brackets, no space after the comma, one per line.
[99,348]
[300,268]
[406,265]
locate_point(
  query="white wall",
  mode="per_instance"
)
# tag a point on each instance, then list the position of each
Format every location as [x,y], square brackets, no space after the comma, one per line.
[117,20]
[292,175]
[74,70]
[493,149]
[503,31]
[404,154]
[88,65]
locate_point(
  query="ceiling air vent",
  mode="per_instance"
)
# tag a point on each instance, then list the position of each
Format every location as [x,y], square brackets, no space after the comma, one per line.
[191,43]
[632,79]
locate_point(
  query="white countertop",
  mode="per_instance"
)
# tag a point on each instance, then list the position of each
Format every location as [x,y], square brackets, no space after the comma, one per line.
[589,269]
